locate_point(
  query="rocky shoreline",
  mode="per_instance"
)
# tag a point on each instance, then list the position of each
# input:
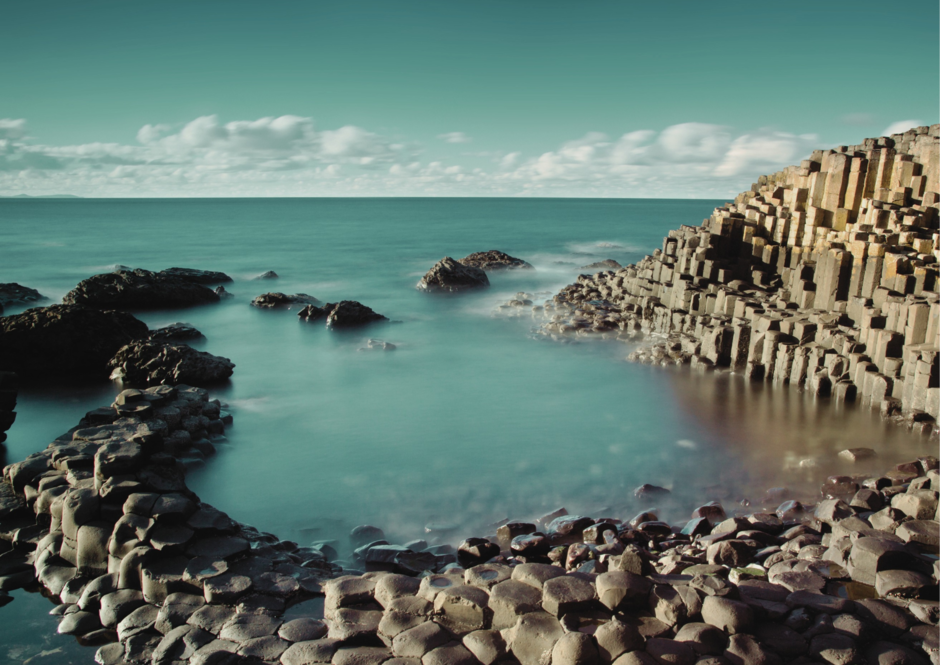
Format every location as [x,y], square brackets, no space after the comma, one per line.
[823,276]
[103,523]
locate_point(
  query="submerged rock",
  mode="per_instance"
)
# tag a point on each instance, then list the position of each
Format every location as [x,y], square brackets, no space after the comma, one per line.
[65,340]
[450,275]
[152,363]
[606,264]
[139,289]
[344,314]
[175,331]
[17,294]
[221,292]
[276,299]
[493,260]
[270,274]
[198,276]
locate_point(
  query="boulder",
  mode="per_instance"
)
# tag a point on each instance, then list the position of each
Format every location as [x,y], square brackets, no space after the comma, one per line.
[197,276]
[154,363]
[344,314]
[450,275]
[139,289]
[17,294]
[175,332]
[65,340]
[276,299]
[492,260]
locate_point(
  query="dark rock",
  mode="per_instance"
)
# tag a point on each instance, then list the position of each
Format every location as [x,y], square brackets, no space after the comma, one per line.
[606,264]
[16,294]
[175,332]
[492,260]
[276,299]
[450,275]
[270,274]
[477,550]
[139,289]
[153,363]
[648,491]
[221,292]
[198,276]
[65,340]
[349,313]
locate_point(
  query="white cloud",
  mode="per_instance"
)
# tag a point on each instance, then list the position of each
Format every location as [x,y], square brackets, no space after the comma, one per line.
[900,127]
[454,137]
[289,156]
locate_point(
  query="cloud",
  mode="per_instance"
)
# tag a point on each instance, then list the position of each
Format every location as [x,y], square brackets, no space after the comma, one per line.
[454,137]
[289,156]
[900,127]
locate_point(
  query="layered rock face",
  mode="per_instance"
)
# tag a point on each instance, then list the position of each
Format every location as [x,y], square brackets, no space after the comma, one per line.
[823,276]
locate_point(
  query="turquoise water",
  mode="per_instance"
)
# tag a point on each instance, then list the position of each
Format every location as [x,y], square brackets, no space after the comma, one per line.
[472,418]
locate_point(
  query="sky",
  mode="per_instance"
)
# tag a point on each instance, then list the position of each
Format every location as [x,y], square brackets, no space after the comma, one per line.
[448,98]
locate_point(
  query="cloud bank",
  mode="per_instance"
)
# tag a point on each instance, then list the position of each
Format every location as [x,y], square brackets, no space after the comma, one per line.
[289,156]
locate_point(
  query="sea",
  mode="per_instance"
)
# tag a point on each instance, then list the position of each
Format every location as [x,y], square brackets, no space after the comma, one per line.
[473,418]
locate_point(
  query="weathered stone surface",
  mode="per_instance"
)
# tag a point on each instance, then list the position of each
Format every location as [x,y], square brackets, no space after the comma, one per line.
[153,363]
[567,594]
[532,638]
[139,289]
[276,299]
[450,275]
[730,615]
[615,638]
[492,260]
[462,609]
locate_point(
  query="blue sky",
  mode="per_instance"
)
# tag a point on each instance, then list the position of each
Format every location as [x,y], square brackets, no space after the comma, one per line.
[393,97]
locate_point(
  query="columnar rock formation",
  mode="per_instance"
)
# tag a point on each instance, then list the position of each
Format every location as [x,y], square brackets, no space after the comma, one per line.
[823,275]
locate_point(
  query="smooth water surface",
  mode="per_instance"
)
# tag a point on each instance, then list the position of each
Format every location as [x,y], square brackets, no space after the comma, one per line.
[471,418]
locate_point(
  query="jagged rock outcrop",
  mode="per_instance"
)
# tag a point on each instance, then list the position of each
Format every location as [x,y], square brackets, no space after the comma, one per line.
[822,276]
[344,314]
[450,275]
[149,363]
[272,300]
[17,294]
[197,276]
[139,289]
[493,260]
[65,340]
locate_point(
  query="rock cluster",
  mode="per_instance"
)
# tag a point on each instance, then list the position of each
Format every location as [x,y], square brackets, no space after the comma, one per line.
[344,314]
[140,289]
[851,579]
[274,299]
[822,276]
[151,362]
[450,275]
[493,260]
[65,340]
[102,518]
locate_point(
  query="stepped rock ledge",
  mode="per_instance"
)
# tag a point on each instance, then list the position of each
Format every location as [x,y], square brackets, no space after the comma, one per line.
[822,276]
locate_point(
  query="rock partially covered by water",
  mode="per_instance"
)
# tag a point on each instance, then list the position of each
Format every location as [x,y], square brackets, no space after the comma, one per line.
[493,260]
[275,299]
[17,294]
[606,264]
[270,274]
[198,276]
[65,340]
[450,275]
[139,289]
[152,363]
[178,331]
[344,314]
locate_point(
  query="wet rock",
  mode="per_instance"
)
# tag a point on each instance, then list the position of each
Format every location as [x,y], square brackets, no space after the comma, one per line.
[16,294]
[450,275]
[269,274]
[349,313]
[276,299]
[139,289]
[476,550]
[154,363]
[492,260]
[197,276]
[606,264]
[65,340]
